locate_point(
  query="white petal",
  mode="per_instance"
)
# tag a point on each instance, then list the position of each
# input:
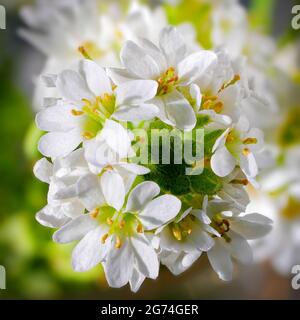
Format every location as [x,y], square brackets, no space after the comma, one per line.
[138,62]
[73,87]
[141,195]
[220,261]
[90,251]
[59,144]
[248,165]
[145,257]
[57,118]
[95,77]
[136,280]
[135,92]
[222,162]
[251,226]
[89,192]
[134,168]
[119,76]
[195,66]
[137,113]
[113,189]
[239,248]
[75,229]
[220,142]
[116,136]
[196,95]
[172,45]
[179,111]
[119,265]
[159,211]
[52,216]
[43,170]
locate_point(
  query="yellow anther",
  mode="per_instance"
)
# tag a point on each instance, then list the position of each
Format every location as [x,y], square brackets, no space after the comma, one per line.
[207,104]
[87,102]
[246,152]
[122,224]
[139,228]
[77,112]
[103,239]
[218,107]
[244,182]
[250,141]
[109,221]
[177,233]
[118,244]
[85,54]
[230,137]
[235,79]
[95,213]
[87,135]
[189,231]
[211,98]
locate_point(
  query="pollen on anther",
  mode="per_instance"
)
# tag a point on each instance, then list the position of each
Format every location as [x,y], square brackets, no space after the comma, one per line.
[95,213]
[103,239]
[139,228]
[77,112]
[246,152]
[118,244]
[109,221]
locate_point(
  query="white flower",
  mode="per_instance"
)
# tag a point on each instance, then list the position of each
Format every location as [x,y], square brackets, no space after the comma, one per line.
[235,231]
[172,68]
[236,146]
[182,241]
[116,235]
[61,176]
[109,153]
[88,99]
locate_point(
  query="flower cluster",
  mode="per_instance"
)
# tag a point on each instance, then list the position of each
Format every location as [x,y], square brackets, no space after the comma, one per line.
[129,215]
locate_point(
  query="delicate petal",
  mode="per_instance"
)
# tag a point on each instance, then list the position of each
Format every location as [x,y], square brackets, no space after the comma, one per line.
[248,165]
[119,76]
[251,226]
[172,45]
[113,189]
[90,251]
[136,113]
[59,144]
[134,168]
[75,229]
[57,118]
[145,257]
[52,216]
[138,62]
[43,170]
[196,95]
[195,66]
[119,265]
[141,195]
[73,87]
[179,111]
[136,280]
[135,92]
[239,248]
[159,211]
[95,77]
[222,162]
[220,261]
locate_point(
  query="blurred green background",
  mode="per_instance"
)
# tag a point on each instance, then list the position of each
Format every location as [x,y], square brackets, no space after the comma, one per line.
[36,267]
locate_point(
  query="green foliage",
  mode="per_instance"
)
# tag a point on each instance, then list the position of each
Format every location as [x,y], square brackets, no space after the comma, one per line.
[261,15]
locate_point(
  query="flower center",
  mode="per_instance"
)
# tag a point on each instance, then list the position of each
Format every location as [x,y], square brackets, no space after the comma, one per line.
[234,143]
[96,113]
[222,225]
[182,229]
[167,81]
[90,50]
[292,209]
[118,224]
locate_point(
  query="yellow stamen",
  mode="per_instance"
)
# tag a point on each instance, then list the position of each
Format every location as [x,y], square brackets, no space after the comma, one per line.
[118,244]
[207,104]
[122,224]
[244,182]
[77,112]
[85,54]
[139,228]
[88,135]
[246,152]
[95,213]
[103,239]
[218,107]
[177,233]
[87,102]
[250,141]
[109,221]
